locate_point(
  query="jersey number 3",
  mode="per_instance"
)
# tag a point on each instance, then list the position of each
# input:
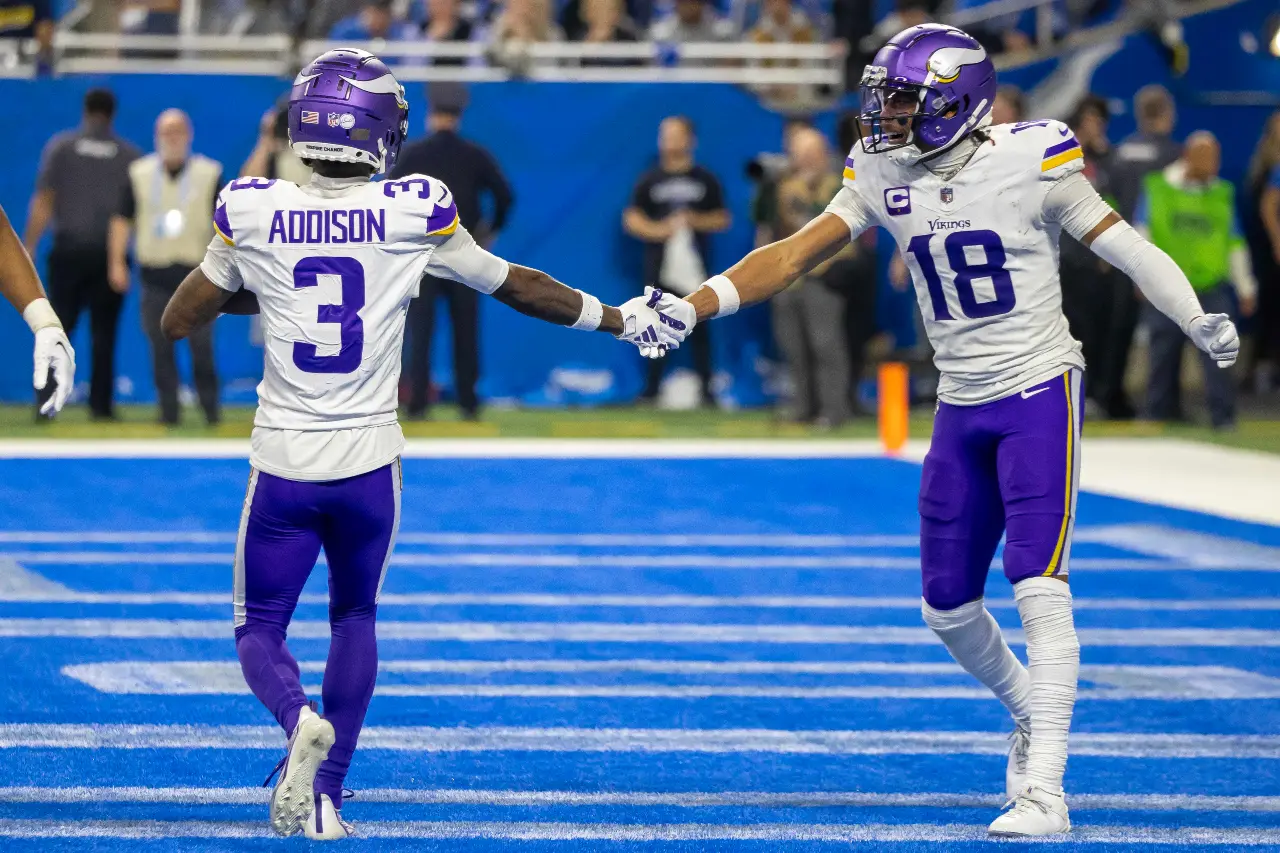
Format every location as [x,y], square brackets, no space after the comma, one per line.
[346,314]
[992,267]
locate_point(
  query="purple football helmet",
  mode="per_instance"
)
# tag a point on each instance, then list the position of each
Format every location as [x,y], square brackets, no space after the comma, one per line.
[931,85]
[347,106]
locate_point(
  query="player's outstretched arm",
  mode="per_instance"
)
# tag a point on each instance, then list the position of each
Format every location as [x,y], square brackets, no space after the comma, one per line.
[1076,205]
[534,293]
[21,286]
[769,270]
[538,295]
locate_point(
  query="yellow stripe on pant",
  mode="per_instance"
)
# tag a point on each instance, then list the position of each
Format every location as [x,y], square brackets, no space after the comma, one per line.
[1066,510]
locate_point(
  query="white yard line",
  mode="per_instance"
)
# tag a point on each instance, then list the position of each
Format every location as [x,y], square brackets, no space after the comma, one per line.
[643,799]
[582,600]
[619,632]
[1114,682]
[941,834]
[707,741]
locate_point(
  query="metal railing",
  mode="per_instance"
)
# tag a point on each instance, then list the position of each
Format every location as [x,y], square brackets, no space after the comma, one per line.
[275,55]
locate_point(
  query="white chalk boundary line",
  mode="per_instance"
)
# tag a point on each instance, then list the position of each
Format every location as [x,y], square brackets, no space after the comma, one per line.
[731,799]
[466,448]
[623,632]
[703,832]
[1201,477]
[1122,682]
[424,739]
[576,600]
[632,561]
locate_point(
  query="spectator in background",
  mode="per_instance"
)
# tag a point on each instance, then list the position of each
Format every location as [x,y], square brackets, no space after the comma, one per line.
[1087,287]
[169,196]
[272,157]
[808,317]
[782,23]
[21,20]
[906,13]
[1190,213]
[675,208]
[604,22]
[692,21]
[1149,149]
[1010,106]
[1262,230]
[853,22]
[470,172]
[375,20]
[77,188]
[445,23]
[521,23]
[150,17]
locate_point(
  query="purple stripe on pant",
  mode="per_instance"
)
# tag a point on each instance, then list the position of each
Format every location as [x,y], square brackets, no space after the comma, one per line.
[286,524]
[1009,468]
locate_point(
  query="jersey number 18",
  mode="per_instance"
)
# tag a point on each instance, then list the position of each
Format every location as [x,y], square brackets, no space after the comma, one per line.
[991,267]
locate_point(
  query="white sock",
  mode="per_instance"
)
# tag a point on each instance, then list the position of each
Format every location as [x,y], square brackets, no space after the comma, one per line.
[972,636]
[1053,659]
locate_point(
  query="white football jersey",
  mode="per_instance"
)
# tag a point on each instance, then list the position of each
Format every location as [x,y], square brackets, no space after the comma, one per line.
[334,264]
[983,254]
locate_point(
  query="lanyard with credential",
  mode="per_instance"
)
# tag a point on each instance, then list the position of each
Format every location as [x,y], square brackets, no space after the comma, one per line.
[169,223]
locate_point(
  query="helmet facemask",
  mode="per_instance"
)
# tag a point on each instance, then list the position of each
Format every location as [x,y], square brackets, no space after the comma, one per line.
[893,110]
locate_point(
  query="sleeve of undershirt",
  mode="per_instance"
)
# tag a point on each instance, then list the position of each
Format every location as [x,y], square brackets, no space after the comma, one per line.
[848,205]
[1074,204]
[460,258]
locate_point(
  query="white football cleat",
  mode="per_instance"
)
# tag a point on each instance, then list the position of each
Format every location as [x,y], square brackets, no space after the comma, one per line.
[326,823]
[1015,773]
[1034,811]
[293,798]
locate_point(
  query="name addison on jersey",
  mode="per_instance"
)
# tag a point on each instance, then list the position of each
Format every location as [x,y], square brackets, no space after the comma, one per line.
[329,226]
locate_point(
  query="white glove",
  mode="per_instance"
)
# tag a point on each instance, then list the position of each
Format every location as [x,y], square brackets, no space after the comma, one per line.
[53,350]
[1216,335]
[642,325]
[678,316]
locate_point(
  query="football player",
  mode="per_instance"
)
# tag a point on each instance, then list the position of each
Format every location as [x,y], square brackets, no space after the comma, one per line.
[21,286]
[976,211]
[331,266]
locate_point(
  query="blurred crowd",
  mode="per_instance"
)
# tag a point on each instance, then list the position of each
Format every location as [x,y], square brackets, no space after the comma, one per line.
[503,26]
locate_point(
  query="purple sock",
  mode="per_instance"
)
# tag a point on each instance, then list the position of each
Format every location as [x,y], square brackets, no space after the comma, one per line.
[349,675]
[271,672]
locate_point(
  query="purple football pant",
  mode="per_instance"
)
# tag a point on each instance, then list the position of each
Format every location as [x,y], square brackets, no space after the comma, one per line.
[284,526]
[1008,467]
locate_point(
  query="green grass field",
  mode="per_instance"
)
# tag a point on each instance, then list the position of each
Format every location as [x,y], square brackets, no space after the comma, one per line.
[139,422]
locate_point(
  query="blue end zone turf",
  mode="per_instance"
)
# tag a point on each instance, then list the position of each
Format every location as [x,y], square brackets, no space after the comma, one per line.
[721,654]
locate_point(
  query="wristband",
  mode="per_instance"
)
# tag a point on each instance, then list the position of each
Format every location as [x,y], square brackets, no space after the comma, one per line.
[39,314]
[726,294]
[591,315]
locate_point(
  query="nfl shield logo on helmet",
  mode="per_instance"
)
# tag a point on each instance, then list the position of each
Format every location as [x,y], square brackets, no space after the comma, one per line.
[947,194]
[334,119]
[310,117]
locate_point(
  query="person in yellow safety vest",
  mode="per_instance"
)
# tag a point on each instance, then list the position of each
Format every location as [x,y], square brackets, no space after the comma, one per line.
[1190,213]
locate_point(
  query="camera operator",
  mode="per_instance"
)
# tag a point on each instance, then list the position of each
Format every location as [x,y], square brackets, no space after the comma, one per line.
[272,157]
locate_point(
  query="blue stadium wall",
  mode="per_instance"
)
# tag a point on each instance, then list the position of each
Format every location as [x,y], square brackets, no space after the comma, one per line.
[572,153]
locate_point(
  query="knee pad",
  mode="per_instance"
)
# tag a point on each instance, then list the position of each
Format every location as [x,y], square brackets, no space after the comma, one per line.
[956,617]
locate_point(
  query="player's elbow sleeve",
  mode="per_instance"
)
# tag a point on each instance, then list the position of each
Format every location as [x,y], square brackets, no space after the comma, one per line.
[1160,279]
